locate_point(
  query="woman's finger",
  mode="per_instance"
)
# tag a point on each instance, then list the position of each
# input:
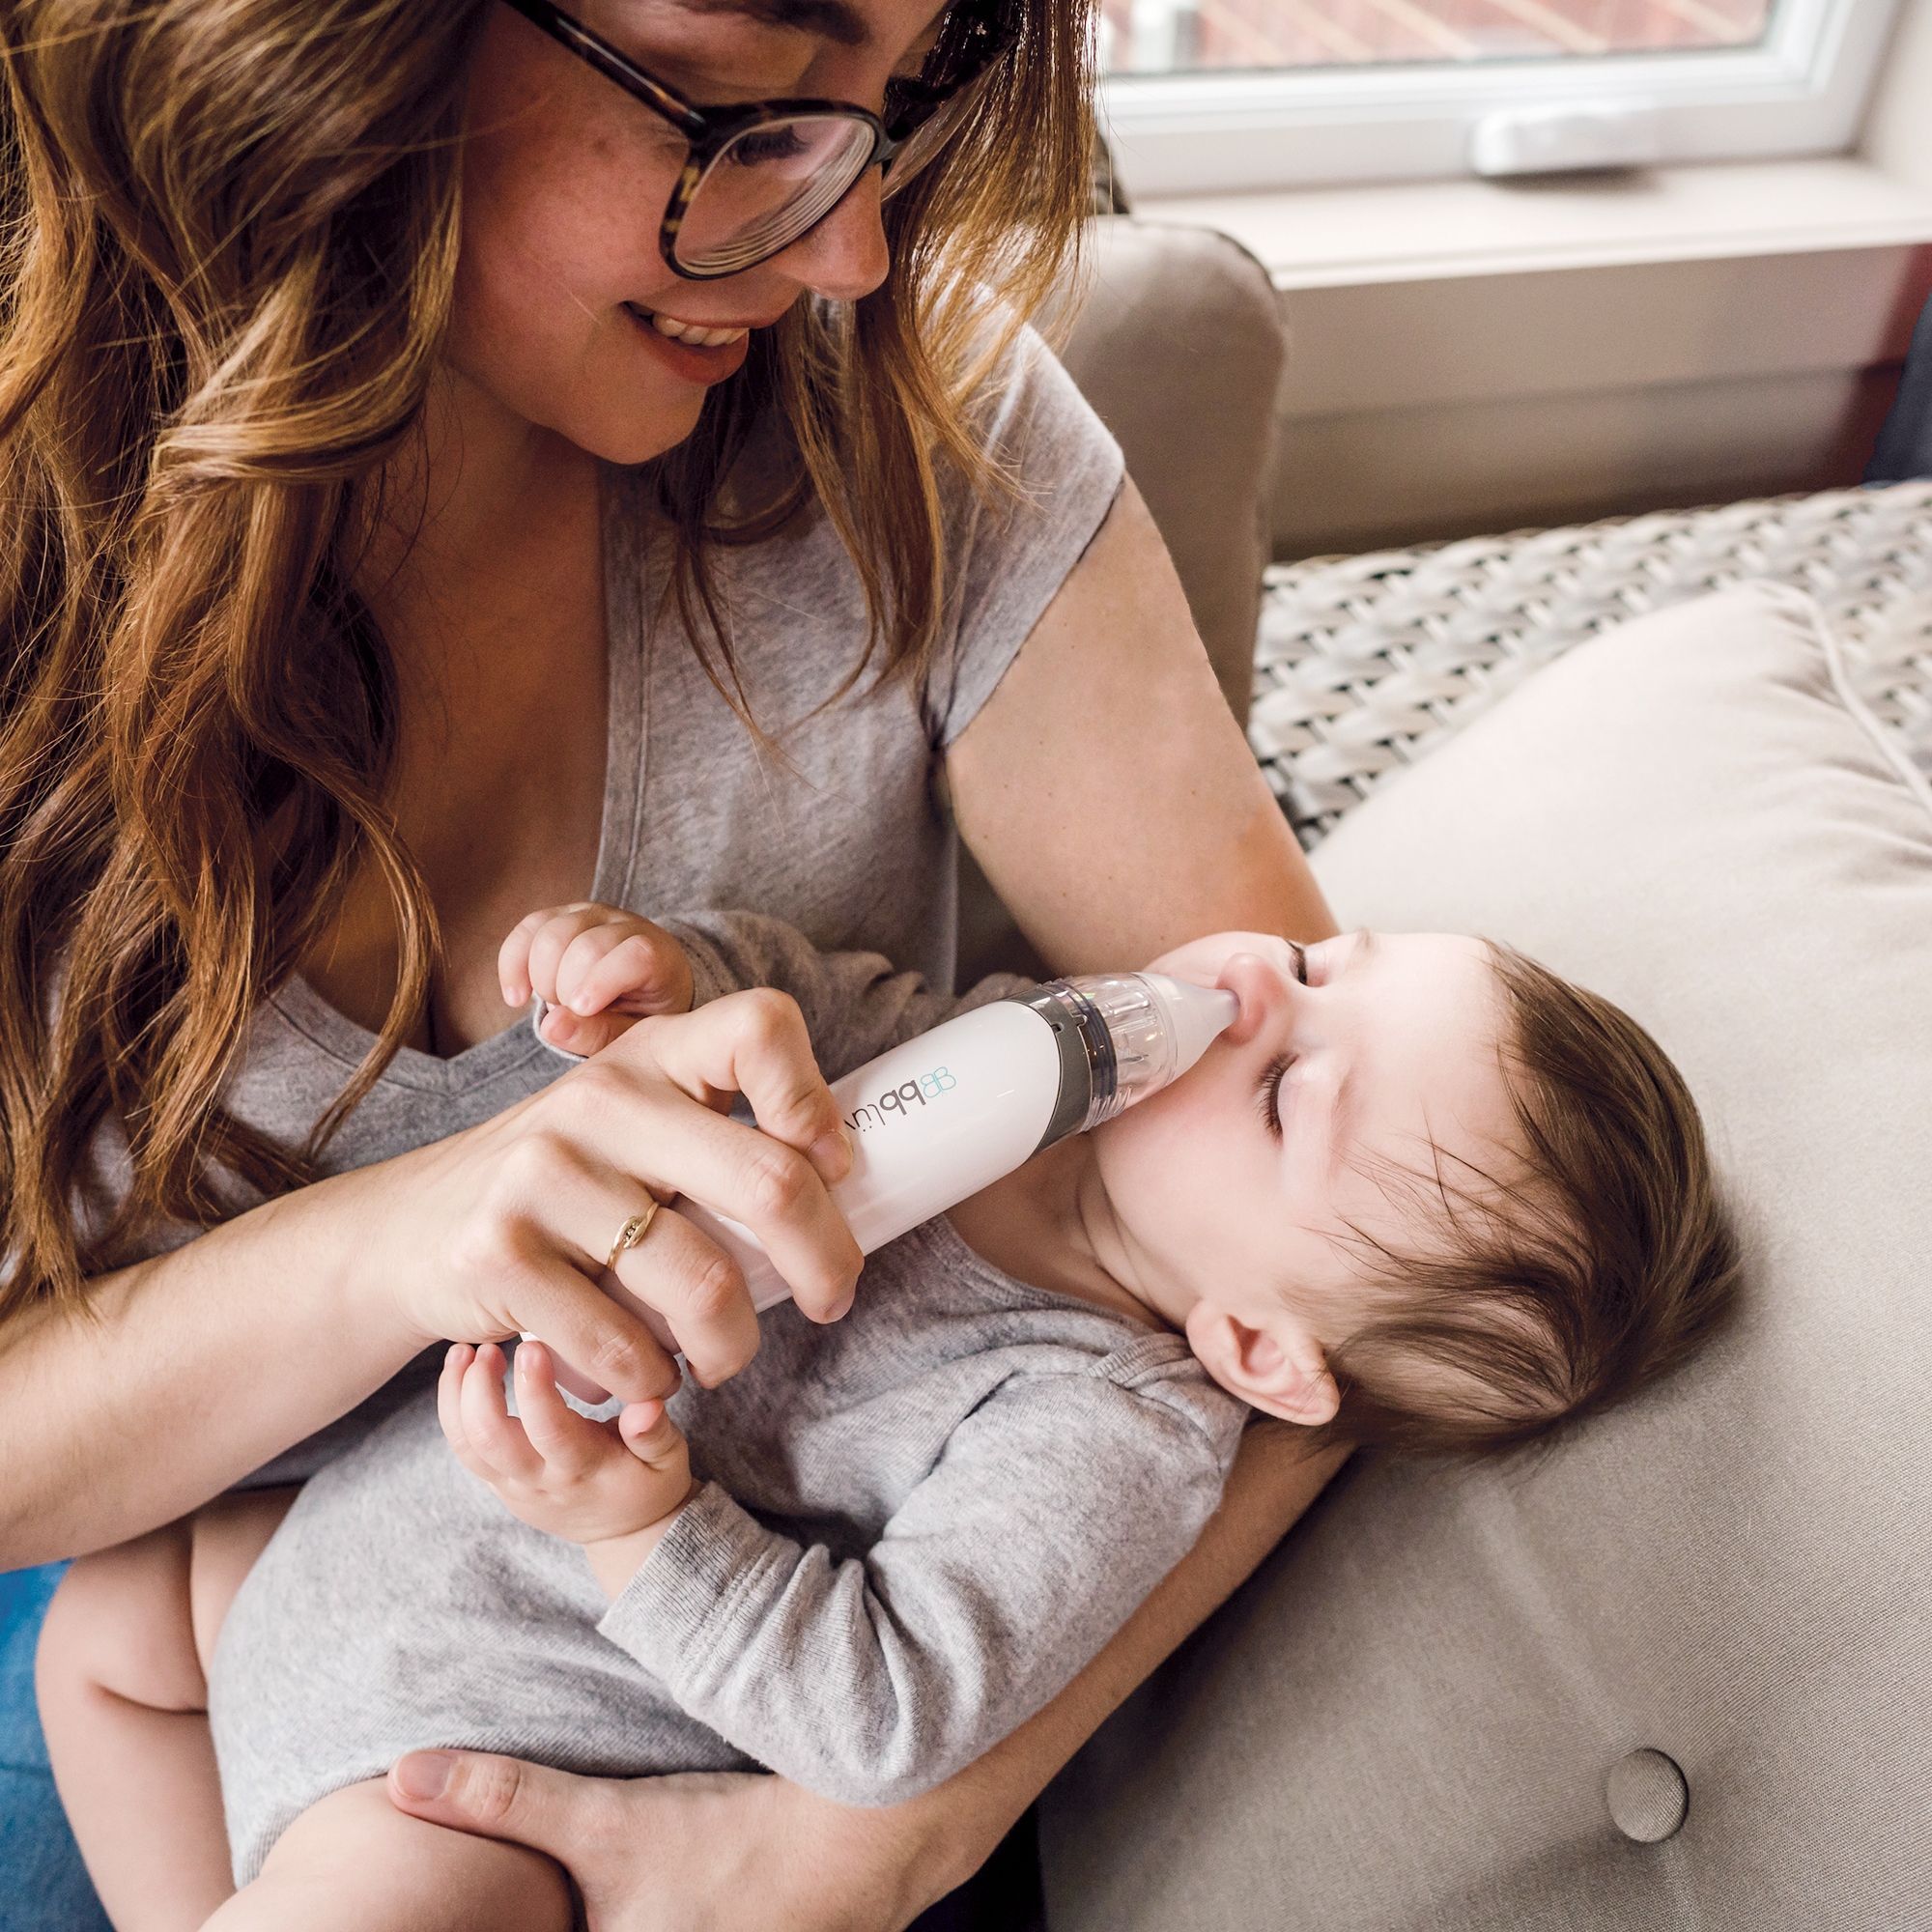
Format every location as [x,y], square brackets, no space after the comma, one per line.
[733,1170]
[697,1291]
[755,1043]
[771,1189]
[499,1442]
[605,1337]
[689,1293]
[553,1811]
[570,1444]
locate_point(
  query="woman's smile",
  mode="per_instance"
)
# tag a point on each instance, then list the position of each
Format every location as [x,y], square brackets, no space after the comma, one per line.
[689,354]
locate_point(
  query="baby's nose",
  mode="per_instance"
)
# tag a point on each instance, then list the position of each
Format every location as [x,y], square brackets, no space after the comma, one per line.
[1262,989]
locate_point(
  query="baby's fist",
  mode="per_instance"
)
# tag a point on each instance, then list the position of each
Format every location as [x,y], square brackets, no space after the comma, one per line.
[598,969]
[554,1469]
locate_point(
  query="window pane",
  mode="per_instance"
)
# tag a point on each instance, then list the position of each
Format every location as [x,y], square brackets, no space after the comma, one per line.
[1187,36]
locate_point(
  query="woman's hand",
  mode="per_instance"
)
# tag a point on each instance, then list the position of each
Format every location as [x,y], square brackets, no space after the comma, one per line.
[696,1851]
[598,970]
[506,1227]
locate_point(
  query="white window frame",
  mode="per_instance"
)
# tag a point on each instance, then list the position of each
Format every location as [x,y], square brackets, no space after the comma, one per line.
[1802,92]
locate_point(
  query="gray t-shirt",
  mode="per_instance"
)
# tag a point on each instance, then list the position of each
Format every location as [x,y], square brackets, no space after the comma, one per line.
[850,844]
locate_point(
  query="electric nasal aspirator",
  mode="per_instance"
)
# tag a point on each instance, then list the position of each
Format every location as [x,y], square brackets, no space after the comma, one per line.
[944,1115]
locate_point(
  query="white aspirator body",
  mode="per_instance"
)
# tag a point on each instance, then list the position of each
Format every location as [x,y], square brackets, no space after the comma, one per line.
[937,1119]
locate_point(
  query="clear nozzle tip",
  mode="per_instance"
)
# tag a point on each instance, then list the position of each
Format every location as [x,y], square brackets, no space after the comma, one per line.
[1140,1031]
[1195,1015]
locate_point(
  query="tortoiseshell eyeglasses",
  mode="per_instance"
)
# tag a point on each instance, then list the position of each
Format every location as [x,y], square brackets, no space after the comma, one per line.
[757,177]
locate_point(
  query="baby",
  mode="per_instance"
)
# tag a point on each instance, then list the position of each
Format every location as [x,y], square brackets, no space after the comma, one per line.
[1421,1193]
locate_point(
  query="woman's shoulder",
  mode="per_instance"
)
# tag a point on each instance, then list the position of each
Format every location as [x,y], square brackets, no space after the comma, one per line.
[1021,396]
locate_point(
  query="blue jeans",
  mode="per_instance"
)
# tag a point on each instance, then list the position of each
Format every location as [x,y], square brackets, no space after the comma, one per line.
[44,1886]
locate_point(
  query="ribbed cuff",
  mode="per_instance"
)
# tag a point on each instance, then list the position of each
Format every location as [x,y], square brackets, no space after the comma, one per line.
[709,979]
[683,1598]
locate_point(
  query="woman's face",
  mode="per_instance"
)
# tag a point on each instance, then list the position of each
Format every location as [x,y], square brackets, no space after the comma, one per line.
[564,183]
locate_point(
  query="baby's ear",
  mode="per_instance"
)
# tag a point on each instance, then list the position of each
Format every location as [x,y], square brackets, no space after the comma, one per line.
[1278,1367]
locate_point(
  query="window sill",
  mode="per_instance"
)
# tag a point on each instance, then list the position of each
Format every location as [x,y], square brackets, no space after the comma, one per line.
[1470,355]
[1427,231]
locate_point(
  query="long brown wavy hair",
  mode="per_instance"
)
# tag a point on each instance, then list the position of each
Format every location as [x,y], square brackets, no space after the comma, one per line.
[228,239]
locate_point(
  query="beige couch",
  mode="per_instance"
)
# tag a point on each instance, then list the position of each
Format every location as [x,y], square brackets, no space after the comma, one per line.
[1678,1674]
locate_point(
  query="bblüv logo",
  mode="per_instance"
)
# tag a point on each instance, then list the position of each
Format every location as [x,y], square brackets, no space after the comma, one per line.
[901,1099]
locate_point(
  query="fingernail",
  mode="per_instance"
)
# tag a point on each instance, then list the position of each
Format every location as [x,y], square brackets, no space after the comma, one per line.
[425,1774]
[832,1149]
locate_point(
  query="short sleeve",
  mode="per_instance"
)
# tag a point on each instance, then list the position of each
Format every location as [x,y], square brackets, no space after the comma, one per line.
[1013,551]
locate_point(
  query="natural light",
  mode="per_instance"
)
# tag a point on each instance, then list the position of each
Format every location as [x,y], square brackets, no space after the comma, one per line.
[1186,35]
[1247,96]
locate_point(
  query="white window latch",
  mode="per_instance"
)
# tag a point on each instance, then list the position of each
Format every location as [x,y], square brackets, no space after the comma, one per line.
[1560,139]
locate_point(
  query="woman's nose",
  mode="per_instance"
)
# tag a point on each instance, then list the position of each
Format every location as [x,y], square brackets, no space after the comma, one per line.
[846,256]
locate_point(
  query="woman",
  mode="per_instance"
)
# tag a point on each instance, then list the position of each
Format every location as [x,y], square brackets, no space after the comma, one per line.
[446,473]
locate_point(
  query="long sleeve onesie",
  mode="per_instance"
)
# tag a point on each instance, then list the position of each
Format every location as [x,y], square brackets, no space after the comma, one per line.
[916,1525]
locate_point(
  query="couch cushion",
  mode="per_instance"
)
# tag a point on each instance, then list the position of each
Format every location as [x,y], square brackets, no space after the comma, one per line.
[1411,1716]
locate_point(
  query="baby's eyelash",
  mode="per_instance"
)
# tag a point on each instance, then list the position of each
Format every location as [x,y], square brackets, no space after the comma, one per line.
[1267,1094]
[1301,952]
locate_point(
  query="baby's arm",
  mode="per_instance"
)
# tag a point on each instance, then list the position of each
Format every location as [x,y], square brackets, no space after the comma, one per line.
[856,1005]
[1056,1507]
[600,969]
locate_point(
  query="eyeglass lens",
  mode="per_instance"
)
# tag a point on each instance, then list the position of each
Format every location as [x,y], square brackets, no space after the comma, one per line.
[767,187]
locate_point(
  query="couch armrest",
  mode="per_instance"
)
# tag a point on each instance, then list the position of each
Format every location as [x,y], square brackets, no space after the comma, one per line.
[1179,346]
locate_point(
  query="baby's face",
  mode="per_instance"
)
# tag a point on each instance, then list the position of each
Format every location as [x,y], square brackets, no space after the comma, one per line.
[1390,1046]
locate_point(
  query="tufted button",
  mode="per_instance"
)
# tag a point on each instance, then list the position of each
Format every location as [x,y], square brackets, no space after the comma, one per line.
[1647,1796]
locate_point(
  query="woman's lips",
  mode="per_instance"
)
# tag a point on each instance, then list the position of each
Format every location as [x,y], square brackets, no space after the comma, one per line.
[695,362]
[693,334]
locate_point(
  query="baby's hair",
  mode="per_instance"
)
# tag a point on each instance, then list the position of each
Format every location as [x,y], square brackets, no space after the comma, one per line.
[1603,1261]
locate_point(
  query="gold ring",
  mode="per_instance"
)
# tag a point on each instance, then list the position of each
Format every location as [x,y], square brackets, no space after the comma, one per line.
[632,1233]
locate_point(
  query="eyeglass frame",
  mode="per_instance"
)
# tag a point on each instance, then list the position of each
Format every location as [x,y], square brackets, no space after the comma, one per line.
[709,130]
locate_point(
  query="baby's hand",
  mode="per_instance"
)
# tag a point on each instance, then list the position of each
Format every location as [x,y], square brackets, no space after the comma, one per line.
[598,970]
[612,1488]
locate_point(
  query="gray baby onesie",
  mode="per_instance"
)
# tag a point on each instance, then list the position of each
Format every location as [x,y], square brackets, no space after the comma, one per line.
[917,1525]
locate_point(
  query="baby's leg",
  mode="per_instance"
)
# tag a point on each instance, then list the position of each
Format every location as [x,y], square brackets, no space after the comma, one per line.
[353,1863]
[122,1680]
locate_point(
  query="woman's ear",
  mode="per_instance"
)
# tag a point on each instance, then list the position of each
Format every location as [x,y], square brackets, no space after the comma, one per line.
[1278,1367]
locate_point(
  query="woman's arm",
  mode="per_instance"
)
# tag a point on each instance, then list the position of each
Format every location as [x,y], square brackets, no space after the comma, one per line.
[1110,729]
[188,1371]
